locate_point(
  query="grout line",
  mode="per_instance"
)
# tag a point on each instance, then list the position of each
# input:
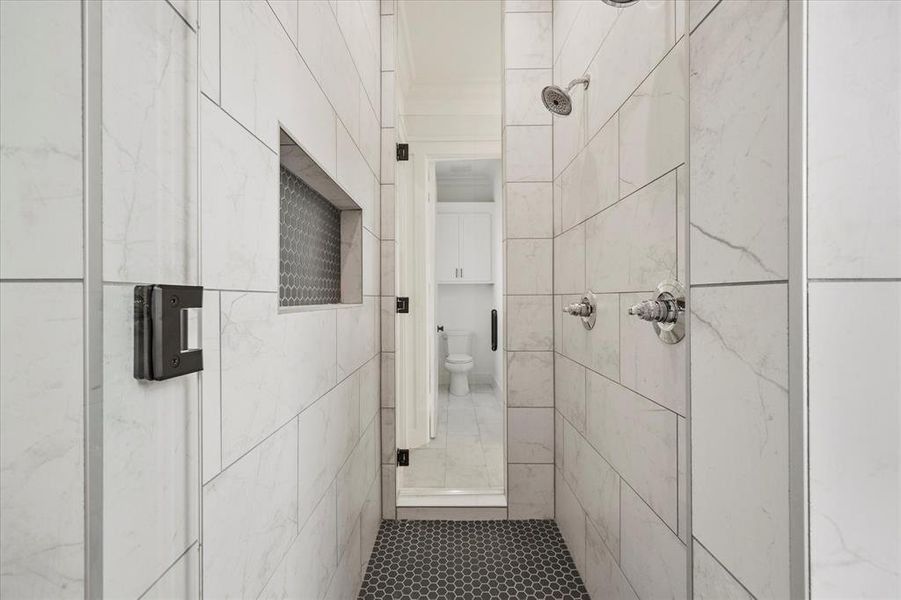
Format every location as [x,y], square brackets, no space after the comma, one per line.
[738,284]
[709,12]
[182,17]
[41,280]
[169,568]
[712,555]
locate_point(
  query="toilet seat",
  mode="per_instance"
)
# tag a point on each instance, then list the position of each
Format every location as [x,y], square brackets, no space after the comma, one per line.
[459,359]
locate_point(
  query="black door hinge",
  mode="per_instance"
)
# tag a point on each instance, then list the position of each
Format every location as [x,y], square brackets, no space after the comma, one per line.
[403,457]
[403,304]
[403,151]
[160,331]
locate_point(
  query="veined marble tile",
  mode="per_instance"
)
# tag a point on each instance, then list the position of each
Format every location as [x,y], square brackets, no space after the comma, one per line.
[387,262]
[353,482]
[389,446]
[652,131]
[268,84]
[371,264]
[530,379]
[273,365]
[527,5]
[529,209]
[597,348]
[347,579]
[739,432]
[570,134]
[528,153]
[530,267]
[581,28]
[531,490]
[530,324]
[312,560]
[684,502]
[595,484]
[286,12]
[328,432]
[358,335]
[369,392]
[570,518]
[530,435]
[653,369]
[387,7]
[569,391]
[603,577]
[370,519]
[388,317]
[149,145]
[209,48]
[558,439]
[631,246]
[369,143]
[389,139]
[388,101]
[652,557]
[211,389]
[565,15]
[638,438]
[388,379]
[357,179]
[40,139]
[187,9]
[528,41]
[569,261]
[41,447]
[738,137]
[855,458]
[387,24]
[854,141]
[365,47]
[711,581]
[150,459]
[181,580]
[697,10]
[240,207]
[591,182]
[389,493]
[250,518]
[522,98]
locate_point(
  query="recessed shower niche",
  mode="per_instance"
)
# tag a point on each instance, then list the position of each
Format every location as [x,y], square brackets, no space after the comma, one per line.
[320,234]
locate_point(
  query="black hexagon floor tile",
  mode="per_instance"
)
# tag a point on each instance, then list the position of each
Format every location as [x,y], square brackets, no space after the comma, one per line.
[490,560]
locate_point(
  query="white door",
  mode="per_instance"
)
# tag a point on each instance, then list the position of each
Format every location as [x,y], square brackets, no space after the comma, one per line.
[475,247]
[447,247]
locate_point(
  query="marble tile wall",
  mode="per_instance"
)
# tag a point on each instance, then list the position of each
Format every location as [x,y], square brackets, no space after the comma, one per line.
[42,356]
[739,266]
[854,245]
[617,161]
[529,259]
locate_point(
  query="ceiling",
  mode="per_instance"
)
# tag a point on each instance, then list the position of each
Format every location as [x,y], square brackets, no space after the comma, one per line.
[467,180]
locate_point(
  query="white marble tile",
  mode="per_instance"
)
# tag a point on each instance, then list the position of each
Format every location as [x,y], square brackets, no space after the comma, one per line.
[591,182]
[364,48]
[569,261]
[354,175]
[652,557]
[855,459]
[638,438]
[570,518]
[187,9]
[388,316]
[528,41]
[682,231]
[570,134]
[369,142]
[211,386]
[530,323]
[209,48]
[597,348]
[353,270]
[387,7]
[697,10]
[530,379]
[558,439]
[370,520]
[388,105]
[684,491]
[528,153]
[372,274]
[569,391]
[739,431]
[531,491]
[616,260]
[286,11]
[387,210]
[387,43]
[40,139]
[530,435]
[387,262]
[389,446]
[595,483]
[353,482]
[711,581]
[388,379]
[358,335]
[738,137]
[529,267]
[565,16]
[250,518]
[149,145]
[583,27]
[602,575]
[854,142]
[389,155]
[529,209]
[647,365]
[527,5]
[240,206]
[150,459]
[522,97]
[273,365]
[636,43]
[681,18]
[41,419]
[181,580]
[652,123]
[389,493]
[328,431]
[369,392]
[312,560]
[266,83]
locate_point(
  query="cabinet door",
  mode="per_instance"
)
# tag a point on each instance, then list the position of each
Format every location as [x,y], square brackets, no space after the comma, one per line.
[475,247]
[447,247]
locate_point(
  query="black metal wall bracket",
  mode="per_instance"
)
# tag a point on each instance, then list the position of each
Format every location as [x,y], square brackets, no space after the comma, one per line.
[161,331]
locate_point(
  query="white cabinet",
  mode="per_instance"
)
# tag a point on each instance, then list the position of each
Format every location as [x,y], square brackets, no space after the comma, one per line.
[463,248]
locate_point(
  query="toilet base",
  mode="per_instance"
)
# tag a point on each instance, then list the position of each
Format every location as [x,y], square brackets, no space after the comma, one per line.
[459,384]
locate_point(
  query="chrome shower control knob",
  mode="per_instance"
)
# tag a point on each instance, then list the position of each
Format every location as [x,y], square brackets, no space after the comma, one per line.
[662,310]
[578,309]
[666,311]
[585,309]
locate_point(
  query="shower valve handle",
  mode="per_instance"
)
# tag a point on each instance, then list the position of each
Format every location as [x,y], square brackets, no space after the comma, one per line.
[665,311]
[662,310]
[579,309]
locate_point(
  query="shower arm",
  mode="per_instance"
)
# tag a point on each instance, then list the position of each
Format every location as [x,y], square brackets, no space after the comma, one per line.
[579,80]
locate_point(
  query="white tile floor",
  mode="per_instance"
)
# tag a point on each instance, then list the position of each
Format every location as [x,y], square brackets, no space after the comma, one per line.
[468,451]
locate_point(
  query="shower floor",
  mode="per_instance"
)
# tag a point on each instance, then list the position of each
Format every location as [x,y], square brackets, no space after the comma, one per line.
[414,560]
[468,451]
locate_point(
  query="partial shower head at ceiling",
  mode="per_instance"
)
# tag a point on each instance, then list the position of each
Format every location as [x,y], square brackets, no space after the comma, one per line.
[558,100]
[619,3]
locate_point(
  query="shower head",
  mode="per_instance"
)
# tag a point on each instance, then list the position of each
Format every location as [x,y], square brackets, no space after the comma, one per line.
[558,100]
[619,3]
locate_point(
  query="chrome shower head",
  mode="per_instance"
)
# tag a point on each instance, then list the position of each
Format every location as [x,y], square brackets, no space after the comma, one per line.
[619,3]
[558,100]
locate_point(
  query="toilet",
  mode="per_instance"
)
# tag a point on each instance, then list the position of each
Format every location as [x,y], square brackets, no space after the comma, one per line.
[458,361]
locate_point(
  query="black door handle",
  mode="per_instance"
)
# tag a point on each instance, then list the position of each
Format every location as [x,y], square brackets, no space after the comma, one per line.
[494,330]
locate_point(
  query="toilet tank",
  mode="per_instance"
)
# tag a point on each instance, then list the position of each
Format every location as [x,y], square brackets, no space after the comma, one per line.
[458,342]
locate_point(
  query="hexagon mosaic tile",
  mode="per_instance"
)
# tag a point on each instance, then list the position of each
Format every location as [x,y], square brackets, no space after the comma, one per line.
[484,560]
